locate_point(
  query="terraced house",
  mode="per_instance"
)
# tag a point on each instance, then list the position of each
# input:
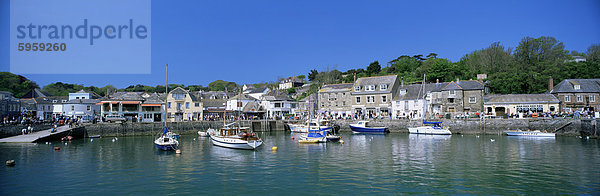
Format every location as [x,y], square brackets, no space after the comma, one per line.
[371,96]
[577,95]
[135,106]
[335,99]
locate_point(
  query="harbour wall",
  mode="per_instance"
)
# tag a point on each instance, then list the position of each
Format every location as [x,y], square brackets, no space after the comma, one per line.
[566,127]
[12,130]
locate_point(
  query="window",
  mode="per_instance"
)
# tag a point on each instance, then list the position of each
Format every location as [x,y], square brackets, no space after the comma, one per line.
[169,104]
[403,91]
[579,98]
[72,108]
[178,106]
[370,88]
[178,96]
[343,94]
[383,98]
[196,104]
[552,108]
[405,105]
[293,105]
[64,101]
[567,98]
[450,100]
[343,103]
[370,99]
[357,99]
[472,100]
[592,98]
[54,101]
[577,87]
[187,105]
[357,88]
[383,87]
[278,105]
[89,108]
[452,92]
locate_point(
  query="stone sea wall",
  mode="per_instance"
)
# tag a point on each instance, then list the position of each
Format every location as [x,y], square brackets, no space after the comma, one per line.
[487,126]
[567,127]
[12,130]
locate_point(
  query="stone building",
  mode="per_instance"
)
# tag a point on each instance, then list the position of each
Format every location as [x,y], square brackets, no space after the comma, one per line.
[10,107]
[135,106]
[457,98]
[520,104]
[371,96]
[577,95]
[335,99]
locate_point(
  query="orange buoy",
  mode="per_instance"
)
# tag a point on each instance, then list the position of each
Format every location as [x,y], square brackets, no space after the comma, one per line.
[56,148]
[292,138]
[178,151]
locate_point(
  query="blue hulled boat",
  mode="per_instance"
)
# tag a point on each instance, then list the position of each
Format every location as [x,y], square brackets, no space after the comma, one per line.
[363,127]
[166,141]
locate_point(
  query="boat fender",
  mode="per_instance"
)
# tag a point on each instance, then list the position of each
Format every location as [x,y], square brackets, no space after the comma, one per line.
[56,148]
[292,138]
[274,148]
[252,134]
[178,151]
[342,141]
[10,163]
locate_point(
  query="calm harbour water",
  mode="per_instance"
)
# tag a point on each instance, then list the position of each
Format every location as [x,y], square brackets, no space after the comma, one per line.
[365,164]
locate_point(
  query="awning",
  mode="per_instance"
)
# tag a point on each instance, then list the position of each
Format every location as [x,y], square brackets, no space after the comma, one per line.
[103,102]
[130,102]
[151,104]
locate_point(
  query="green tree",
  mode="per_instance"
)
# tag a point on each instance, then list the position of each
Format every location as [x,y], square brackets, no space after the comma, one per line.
[312,74]
[439,68]
[301,77]
[219,85]
[16,84]
[373,68]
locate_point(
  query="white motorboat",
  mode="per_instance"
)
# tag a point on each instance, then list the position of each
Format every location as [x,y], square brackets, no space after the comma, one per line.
[310,126]
[536,133]
[435,128]
[204,133]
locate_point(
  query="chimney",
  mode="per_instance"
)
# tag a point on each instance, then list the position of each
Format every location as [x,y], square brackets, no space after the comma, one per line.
[550,84]
[354,77]
[402,81]
[437,80]
[457,80]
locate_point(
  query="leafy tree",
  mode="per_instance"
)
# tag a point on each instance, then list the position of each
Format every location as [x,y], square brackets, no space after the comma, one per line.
[312,75]
[593,53]
[219,85]
[439,68]
[432,55]
[16,84]
[291,90]
[373,68]
[301,77]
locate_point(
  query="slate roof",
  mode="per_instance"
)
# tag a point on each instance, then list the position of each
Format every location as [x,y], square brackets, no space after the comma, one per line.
[464,85]
[50,100]
[375,80]
[213,103]
[586,86]
[258,90]
[126,96]
[337,87]
[413,91]
[242,97]
[521,98]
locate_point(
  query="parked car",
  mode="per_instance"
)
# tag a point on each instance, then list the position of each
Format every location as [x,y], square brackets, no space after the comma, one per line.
[114,118]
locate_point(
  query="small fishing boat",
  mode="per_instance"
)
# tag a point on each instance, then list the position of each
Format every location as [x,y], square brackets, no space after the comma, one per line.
[333,138]
[166,142]
[363,127]
[317,136]
[434,128]
[536,133]
[309,141]
[235,137]
[95,136]
[312,125]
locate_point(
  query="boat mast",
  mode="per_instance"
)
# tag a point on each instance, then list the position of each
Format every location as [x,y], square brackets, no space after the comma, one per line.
[237,104]
[424,95]
[225,110]
[166,92]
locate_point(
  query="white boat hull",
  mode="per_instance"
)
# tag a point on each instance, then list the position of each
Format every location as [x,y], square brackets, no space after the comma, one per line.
[429,130]
[529,133]
[229,142]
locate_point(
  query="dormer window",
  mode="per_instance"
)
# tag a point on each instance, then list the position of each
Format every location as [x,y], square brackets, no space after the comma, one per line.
[403,91]
[64,101]
[452,92]
[383,87]
[370,88]
[54,101]
[357,88]
[577,87]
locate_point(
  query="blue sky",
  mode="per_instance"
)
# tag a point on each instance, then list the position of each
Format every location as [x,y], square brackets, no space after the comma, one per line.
[259,41]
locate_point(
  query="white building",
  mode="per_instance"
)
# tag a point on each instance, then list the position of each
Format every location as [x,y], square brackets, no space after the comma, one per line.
[238,102]
[278,106]
[410,102]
